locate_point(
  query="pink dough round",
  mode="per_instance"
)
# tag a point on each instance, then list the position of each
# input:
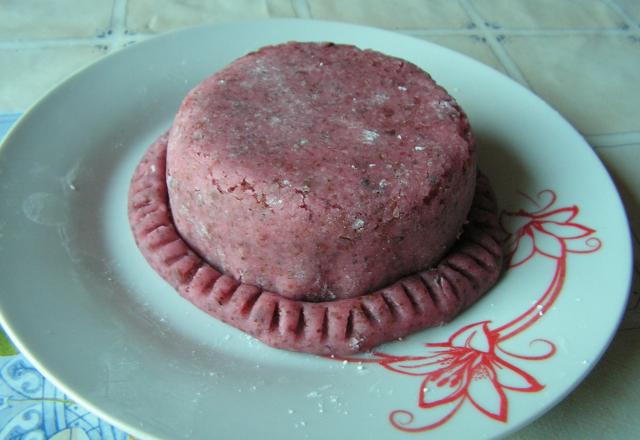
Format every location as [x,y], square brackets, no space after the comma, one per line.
[320,171]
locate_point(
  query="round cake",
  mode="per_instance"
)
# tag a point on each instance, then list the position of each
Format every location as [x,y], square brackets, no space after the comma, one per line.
[321,198]
[320,171]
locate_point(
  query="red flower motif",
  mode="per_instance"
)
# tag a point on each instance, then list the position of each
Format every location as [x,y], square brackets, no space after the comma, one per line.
[470,366]
[546,233]
[466,367]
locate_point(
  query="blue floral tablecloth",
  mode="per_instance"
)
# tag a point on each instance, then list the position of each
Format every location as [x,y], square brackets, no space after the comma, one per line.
[31,408]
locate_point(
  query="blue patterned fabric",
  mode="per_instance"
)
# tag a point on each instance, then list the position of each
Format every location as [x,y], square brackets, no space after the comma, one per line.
[32,408]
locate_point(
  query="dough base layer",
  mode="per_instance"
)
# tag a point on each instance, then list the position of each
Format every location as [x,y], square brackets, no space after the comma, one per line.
[341,327]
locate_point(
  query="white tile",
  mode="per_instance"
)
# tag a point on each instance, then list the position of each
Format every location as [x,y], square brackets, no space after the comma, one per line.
[164,15]
[631,8]
[26,74]
[393,14]
[471,45]
[548,14]
[20,19]
[623,163]
[591,79]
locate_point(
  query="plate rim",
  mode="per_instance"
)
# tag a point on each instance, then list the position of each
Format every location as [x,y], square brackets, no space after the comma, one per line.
[25,118]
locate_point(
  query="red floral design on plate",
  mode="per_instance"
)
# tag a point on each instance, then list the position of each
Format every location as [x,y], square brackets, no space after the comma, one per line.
[472,366]
[548,232]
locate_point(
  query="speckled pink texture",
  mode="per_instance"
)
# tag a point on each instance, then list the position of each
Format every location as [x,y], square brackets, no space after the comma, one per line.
[320,171]
[427,298]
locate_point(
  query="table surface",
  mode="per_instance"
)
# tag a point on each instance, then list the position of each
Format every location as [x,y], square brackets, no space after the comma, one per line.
[582,57]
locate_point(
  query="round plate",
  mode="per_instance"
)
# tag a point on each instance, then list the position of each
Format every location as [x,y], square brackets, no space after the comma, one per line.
[82,304]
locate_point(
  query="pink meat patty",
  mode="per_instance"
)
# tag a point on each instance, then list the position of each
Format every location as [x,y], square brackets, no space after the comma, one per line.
[320,172]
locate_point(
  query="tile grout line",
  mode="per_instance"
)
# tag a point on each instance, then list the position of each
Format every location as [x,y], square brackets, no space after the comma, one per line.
[633,25]
[116,34]
[119,32]
[58,42]
[301,8]
[492,41]
[118,23]
[607,140]
[522,31]
[558,32]
[443,31]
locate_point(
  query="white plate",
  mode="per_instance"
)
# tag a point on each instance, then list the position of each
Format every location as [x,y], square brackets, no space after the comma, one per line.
[85,308]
